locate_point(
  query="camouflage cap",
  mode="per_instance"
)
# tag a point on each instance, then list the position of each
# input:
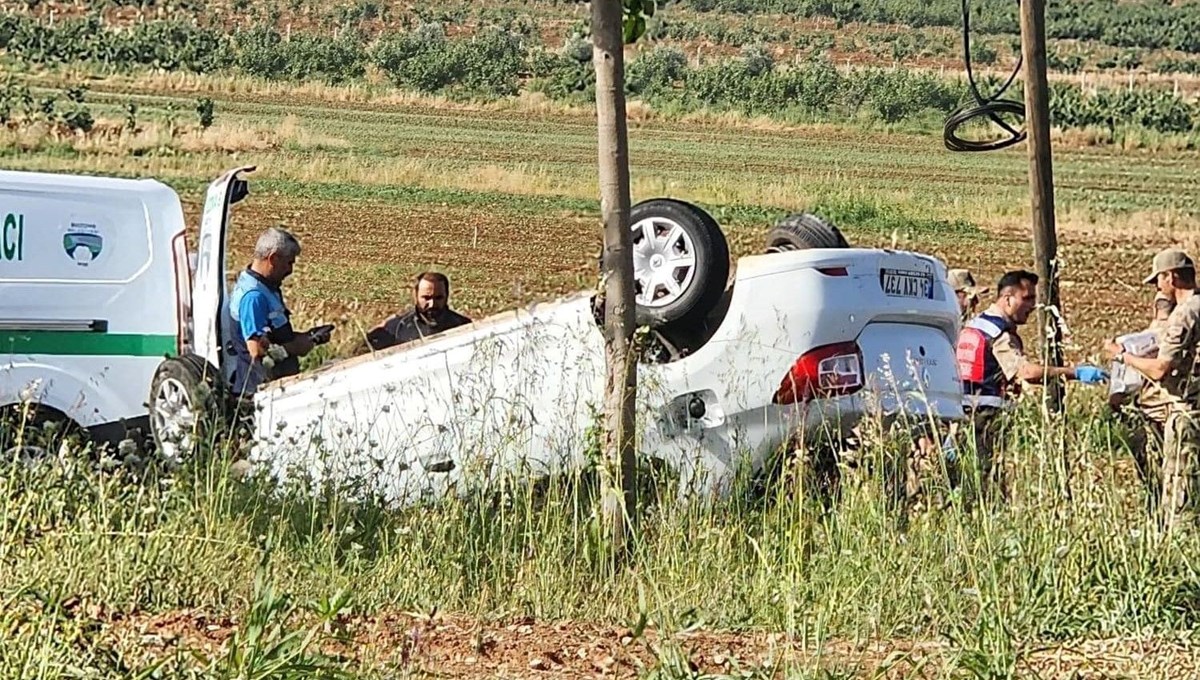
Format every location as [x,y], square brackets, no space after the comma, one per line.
[1167,260]
[963,281]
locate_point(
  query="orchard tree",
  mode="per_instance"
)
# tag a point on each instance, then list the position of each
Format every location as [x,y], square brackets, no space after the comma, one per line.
[614,24]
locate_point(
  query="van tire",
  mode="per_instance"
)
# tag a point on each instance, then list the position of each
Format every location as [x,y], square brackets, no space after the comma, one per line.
[185,406]
[36,419]
[804,231]
[703,285]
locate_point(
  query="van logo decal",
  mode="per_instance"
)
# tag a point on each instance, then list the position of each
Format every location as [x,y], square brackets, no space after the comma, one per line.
[83,243]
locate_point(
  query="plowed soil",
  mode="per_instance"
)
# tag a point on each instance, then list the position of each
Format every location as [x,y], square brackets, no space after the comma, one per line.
[359,259]
[463,647]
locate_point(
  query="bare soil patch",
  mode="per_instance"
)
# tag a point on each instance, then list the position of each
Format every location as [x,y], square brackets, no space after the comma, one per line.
[522,647]
[359,258]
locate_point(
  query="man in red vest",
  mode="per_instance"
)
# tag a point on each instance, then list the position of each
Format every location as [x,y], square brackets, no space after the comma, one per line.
[993,365]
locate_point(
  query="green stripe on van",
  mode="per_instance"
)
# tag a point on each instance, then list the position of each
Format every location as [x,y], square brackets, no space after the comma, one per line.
[74,343]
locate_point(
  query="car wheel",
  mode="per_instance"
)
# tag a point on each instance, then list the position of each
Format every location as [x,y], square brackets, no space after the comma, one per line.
[680,262]
[184,404]
[802,231]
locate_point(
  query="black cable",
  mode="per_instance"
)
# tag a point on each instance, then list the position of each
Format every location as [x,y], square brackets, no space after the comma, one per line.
[990,106]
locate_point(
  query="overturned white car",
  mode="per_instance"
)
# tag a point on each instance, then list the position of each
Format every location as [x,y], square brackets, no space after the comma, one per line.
[806,340]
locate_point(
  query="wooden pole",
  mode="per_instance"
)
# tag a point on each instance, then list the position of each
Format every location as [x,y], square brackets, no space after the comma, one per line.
[1041,186]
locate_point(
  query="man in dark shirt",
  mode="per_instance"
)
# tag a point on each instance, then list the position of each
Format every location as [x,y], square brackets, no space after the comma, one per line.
[430,315]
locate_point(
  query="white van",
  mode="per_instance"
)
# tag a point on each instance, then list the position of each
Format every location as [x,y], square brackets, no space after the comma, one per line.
[95,290]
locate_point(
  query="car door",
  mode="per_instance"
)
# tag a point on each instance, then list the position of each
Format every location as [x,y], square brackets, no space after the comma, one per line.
[209,288]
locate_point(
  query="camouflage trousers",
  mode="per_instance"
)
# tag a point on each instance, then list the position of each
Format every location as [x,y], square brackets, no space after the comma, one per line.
[930,468]
[1167,455]
[908,471]
[986,430]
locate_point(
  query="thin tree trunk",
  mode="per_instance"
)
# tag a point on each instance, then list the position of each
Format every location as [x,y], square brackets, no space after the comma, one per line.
[621,384]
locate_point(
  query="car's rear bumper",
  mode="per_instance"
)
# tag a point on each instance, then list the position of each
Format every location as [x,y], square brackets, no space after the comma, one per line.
[708,458]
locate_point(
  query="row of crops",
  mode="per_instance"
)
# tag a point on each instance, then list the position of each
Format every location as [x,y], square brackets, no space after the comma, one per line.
[1150,24]
[500,61]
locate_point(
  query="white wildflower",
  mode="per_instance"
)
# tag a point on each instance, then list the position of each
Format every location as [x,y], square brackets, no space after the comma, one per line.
[31,390]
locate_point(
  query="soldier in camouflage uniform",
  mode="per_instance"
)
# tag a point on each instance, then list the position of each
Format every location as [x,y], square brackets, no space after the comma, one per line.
[1144,430]
[909,477]
[1170,401]
[963,283]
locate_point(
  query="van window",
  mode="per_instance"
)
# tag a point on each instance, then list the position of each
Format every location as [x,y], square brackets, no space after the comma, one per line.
[63,238]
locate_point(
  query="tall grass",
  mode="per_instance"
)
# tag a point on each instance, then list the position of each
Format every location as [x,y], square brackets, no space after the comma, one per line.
[82,543]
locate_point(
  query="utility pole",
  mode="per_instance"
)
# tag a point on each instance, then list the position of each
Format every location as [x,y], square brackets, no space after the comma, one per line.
[1041,186]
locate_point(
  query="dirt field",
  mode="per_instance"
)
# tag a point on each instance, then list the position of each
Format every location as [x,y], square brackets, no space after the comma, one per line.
[359,260]
[441,645]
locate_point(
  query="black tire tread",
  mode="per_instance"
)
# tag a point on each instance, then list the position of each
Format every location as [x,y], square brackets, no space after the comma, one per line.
[802,231]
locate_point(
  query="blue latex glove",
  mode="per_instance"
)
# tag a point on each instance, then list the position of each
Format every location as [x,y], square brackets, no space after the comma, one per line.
[1090,374]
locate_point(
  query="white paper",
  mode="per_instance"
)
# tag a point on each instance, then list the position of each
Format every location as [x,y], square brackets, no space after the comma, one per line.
[1121,378]
[1144,344]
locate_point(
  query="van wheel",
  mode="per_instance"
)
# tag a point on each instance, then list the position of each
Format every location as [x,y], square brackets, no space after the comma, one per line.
[680,262]
[184,405]
[802,231]
[42,429]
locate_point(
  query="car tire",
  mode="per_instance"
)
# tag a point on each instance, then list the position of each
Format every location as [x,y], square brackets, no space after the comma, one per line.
[185,404]
[662,228]
[803,231]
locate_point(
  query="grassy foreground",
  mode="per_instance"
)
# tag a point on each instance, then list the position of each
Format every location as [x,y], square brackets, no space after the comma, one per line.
[91,553]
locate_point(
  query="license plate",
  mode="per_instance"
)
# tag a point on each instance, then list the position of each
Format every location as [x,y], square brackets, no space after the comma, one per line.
[905,283]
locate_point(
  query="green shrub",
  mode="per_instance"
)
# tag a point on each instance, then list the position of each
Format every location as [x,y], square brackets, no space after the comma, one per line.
[656,72]
[567,73]
[263,52]
[204,112]
[491,62]
[420,59]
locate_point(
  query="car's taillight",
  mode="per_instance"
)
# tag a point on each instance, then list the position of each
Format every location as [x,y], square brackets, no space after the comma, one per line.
[828,371]
[183,293]
[834,271]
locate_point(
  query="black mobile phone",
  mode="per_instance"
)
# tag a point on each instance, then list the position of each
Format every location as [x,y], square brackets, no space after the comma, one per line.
[321,334]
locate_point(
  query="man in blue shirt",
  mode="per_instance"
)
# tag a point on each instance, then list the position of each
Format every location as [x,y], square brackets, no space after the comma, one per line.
[258,328]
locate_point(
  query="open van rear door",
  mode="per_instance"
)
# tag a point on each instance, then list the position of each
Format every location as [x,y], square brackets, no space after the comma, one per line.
[208,289]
